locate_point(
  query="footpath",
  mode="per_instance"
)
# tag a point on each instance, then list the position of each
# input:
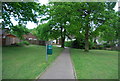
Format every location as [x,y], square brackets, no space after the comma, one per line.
[61,68]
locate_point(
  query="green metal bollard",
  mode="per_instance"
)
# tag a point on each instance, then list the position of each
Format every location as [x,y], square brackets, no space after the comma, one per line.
[49,49]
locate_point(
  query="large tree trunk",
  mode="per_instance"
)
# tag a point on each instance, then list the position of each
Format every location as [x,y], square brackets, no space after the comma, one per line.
[87,39]
[62,37]
[56,41]
[95,43]
[62,42]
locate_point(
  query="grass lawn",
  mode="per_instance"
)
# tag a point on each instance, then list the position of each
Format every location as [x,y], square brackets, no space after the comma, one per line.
[25,62]
[96,64]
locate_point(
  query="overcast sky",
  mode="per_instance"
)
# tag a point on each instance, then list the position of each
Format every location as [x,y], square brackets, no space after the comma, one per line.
[31,25]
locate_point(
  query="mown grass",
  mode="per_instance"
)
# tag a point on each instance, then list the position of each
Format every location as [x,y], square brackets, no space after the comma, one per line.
[25,62]
[96,64]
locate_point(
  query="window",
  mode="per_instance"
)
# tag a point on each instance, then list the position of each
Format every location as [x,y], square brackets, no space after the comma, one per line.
[29,38]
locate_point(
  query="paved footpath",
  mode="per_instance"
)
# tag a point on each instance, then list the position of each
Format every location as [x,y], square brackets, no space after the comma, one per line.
[61,68]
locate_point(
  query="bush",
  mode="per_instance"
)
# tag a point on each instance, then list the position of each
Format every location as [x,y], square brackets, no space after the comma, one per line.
[25,42]
[68,43]
[19,44]
[91,45]
[100,46]
[22,43]
[78,44]
[106,45]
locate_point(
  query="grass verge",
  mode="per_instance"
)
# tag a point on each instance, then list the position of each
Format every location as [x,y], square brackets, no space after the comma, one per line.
[25,62]
[96,64]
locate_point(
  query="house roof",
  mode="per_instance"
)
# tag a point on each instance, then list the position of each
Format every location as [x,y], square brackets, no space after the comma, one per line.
[10,35]
[29,35]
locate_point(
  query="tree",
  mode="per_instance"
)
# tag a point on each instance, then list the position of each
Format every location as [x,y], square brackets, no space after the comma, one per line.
[19,31]
[84,18]
[43,31]
[92,16]
[59,19]
[84,15]
[109,30]
[20,11]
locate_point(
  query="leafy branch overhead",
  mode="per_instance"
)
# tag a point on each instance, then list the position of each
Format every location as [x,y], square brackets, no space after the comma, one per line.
[81,19]
[20,11]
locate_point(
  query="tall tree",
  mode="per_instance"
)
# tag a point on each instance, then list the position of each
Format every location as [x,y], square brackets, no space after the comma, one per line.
[59,17]
[20,11]
[92,16]
[83,17]
[109,30]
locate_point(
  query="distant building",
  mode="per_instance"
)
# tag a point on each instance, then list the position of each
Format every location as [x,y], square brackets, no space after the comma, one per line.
[58,41]
[32,39]
[30,36]
[7,38]
[11,39]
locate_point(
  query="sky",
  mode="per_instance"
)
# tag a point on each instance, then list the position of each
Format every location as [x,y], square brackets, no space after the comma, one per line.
[31,25]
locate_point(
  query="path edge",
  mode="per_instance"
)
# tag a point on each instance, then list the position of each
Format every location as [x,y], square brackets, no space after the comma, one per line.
[74,71]
[38,77]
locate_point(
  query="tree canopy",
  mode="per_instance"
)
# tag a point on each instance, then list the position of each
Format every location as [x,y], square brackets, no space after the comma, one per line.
[85,19]
[20,11]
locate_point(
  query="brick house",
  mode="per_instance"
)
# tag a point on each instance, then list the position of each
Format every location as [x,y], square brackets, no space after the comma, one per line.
[33,39]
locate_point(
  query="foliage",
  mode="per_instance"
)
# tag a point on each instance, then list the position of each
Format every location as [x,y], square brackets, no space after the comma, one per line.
[92,45]
[58,15]
[68,43]
[20,11]
[79,44]
[106,45]
[109,30]
[22,43]
[92,18]
[43,31]
[100,47]
[84,18]
[19,31]
[25,42]
[46,31]
[34,31]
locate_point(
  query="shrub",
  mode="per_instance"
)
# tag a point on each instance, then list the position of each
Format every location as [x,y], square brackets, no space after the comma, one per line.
[91,45]
[25,42]
[68,43]
[78,44]
[19,44]
[106,45]
[22,43]
[100,46]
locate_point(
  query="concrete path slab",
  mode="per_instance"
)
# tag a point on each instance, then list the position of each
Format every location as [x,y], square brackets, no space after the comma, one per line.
[61,68]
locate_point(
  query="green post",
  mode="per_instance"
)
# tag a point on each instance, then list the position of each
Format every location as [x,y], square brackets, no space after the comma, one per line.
[48,49]
[46,54]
